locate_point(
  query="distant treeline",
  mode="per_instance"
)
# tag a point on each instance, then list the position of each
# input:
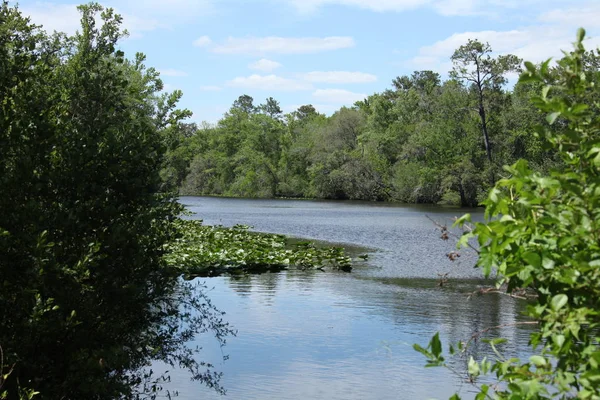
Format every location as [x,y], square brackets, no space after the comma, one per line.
[422,141]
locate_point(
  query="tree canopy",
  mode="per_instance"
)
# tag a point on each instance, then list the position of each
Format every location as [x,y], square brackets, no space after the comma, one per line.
[424,140]
[87,298]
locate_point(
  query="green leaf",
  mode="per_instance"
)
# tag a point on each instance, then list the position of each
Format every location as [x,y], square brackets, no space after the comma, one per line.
[580,34]
[473,367]
[533,259]
[495,341]
[559,301]
[423,351]
[548,263]
[462,220]
[544,68]
[551,118]
[545,90]
[530,66]
[538,361]
[559,340]
[436,345]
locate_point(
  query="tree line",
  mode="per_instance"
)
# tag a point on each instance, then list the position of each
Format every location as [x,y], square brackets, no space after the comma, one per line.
[424,140]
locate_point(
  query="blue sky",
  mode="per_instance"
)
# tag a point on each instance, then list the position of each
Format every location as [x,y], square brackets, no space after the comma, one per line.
[328,53]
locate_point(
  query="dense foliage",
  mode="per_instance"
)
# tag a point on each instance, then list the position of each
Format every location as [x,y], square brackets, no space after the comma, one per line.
[87,299]
[92,252]
[425,141]
[542,233]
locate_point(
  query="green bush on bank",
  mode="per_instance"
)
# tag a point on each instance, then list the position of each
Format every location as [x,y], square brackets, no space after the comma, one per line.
[542,232]
[87,301]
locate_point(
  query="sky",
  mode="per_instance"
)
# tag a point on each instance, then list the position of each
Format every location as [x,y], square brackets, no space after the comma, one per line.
[328,53]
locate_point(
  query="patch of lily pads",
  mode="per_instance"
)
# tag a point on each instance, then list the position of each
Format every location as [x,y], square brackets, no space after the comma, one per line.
[208,251]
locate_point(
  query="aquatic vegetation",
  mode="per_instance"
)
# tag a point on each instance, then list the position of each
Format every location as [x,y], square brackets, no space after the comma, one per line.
[203,250]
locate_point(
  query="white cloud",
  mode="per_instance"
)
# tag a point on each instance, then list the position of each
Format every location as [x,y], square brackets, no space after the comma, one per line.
[282,45]
[458,7]
[338,96]
[438,54]
[202,41]
[265,65]
[586,16]
[338,77]
[210,88]
[138,15]
[443,7]
[534,43]
[172,72]
[136,26]
[54,17]
[268,83]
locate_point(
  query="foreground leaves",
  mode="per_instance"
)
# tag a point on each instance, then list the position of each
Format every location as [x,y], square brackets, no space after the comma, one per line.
[542,232]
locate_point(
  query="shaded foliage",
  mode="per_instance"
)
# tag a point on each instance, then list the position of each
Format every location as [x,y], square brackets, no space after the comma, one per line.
[87,299]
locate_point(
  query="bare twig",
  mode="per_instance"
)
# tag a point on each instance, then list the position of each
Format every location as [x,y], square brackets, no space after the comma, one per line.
[443,279]
[478,334]
[521,294]
[446,233]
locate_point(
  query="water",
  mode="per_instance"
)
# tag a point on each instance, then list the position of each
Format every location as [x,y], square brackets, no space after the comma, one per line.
[315,335]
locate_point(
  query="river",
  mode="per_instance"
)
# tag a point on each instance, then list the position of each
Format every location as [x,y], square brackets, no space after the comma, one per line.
[319,335]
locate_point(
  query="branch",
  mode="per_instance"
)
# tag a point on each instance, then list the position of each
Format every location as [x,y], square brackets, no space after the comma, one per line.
[476,335]
[447,233]
[496,291]
[466,78]
[484,77]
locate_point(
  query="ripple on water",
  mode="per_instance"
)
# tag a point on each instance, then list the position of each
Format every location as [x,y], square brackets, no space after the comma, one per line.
[313,335]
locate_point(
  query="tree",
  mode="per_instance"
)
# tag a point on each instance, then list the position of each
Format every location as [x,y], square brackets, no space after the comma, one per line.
[271,108]
[88,299]
[305,111]
[541,233]
[243,104]
[474,64]
[423,81]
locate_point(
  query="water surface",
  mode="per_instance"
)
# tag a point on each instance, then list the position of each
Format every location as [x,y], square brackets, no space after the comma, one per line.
[315,335]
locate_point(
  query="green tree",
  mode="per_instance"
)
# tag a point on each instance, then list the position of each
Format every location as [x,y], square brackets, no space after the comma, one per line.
[243,104]
[271,108]
[305,111]
[88,300]
[474,64]
[542,233]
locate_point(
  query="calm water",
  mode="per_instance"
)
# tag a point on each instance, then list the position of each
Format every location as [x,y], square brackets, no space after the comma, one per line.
[315,335]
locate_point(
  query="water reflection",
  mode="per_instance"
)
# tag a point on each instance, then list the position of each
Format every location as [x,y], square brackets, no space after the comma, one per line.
[315,335]
[339,337]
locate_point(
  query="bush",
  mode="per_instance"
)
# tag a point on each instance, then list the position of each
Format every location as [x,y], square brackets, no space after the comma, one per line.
[87,298]
[542,233]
